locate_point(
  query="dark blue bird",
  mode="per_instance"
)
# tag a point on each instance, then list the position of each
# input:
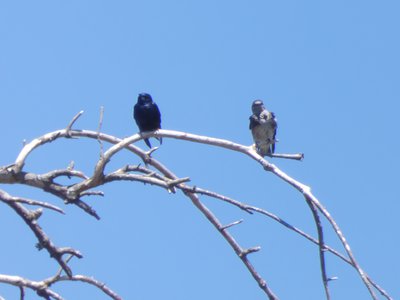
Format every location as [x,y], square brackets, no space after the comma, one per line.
[147,115]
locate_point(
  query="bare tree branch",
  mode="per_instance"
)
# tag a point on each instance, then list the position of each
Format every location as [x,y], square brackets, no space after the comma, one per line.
[102,286]
[321,247]
[39,287]
[44,240]
[37,203]
[236,247]
[42,288]
[68,173]
[166,179]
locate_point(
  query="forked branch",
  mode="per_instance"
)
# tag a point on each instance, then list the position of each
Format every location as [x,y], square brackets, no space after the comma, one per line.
[162,177]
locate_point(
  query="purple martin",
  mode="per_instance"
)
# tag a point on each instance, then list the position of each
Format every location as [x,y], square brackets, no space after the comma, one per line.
[263,125]
[147,115]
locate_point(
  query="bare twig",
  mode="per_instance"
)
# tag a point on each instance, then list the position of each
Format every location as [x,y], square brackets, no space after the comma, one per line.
[92,193]
[68,173]
[321,247]
[68,128]
[99,129]
[347,248]
[37,203]
[215,195]
[231,224]
[100,285]
[297,156]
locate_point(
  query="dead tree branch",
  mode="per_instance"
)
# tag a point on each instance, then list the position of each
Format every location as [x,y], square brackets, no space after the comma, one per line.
[159,176]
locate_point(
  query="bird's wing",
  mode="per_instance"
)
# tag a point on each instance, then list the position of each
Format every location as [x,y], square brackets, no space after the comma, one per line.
[137,115]
[273,123]
[272,127]
[253,121]
[157,114]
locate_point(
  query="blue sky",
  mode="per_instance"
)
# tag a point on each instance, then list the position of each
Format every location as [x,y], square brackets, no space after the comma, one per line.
[329,71]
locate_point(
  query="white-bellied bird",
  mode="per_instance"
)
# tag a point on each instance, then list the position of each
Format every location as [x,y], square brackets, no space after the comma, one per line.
[263,125]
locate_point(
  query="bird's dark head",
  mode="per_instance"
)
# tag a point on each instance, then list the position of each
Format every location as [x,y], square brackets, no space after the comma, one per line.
[257,107]
[144,98]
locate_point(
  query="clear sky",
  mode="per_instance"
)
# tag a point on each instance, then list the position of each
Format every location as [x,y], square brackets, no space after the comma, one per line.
[328,69]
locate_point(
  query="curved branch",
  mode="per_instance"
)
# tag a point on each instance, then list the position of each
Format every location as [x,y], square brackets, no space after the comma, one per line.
[100,285]
[305,190]
[42,288]
[75,190]
[69,126]
[37,203]
[39,287]
[321,247]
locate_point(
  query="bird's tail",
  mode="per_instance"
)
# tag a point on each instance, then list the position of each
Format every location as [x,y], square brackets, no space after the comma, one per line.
[273,148]
[147,141]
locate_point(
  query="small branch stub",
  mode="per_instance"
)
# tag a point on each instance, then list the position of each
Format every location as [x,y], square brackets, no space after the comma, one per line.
[248,251]
[231,224]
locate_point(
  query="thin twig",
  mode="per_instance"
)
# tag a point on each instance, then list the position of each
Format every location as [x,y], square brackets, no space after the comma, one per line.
[37,203]
[297,156]
[99,130]
[321,247]
[68,173]
[215,195]
[232,224]
[68,128]
[100,285]
[92,193]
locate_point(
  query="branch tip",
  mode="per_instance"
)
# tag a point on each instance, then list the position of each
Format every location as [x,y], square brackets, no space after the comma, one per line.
[296,156]
[151,151]
[68,128]
[231,224]
[332,278]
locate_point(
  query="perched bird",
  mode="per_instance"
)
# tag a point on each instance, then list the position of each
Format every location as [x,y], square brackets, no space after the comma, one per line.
[263,125]
[147,115]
